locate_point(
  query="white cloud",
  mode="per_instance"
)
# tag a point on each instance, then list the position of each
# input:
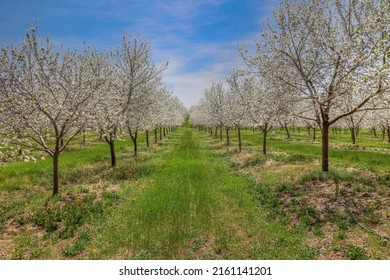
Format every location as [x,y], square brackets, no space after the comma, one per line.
[189,84]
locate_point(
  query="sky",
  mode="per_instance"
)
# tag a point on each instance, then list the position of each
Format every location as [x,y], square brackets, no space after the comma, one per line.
[198,38]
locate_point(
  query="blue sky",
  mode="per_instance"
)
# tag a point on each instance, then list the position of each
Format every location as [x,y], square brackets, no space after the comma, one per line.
[199,38]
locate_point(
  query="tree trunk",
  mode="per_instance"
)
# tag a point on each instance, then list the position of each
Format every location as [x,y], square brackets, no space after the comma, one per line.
[216,132]
[56,172]
[287,131]
[111,141]
[135,147]
[388,133]
[112,151]
[220,134]
[325,146]
[147,138]
[227,137]
[155,135]
[353,136]
[160,133]
[239,138]
[133,137]
[83,141]
[164,131]
[374,131]
[308,131]
[265,131]
[314,133]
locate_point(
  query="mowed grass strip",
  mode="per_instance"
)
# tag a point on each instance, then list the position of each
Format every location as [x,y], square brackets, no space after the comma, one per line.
[193,208]
[369,153]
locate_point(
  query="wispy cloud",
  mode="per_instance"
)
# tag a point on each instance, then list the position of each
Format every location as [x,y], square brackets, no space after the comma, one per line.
[198,37]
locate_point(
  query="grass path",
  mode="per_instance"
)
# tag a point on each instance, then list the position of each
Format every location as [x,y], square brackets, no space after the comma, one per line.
[192,207]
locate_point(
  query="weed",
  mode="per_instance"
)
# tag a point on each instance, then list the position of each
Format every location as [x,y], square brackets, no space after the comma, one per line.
[372,214]
[340,235]
[356,253]
[77,247]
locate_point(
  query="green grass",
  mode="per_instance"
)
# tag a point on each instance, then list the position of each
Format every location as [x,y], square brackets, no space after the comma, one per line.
[369,153]
[194,208]
[191,197]
[320,205]
[88,188]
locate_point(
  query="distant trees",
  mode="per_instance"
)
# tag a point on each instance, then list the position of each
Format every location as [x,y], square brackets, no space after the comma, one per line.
[46,90]
[330,51]
[326,61]
[49,95]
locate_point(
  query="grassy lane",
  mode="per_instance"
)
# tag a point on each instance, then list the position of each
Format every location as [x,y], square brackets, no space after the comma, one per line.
[191,207]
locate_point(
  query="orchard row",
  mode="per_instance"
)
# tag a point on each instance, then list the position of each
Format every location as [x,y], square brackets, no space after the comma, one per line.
[49,95]
[318,64]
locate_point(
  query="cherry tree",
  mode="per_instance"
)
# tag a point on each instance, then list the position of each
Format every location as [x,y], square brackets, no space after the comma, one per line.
[236,107]
[45,95]
[263,103]
[138,74]
[327,51]
[216,99]
[108,108]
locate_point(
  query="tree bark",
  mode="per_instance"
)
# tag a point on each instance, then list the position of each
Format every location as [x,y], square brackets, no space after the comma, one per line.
[112,151]
[388,133]
[160,133]
[239,138]
[56,172]
[147,138]
[227,137]
[353,135]
[220,134]
[325,146]
[155,135]
[314,133]
[265,131]
[111,141]
[134,136]
[287,131]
